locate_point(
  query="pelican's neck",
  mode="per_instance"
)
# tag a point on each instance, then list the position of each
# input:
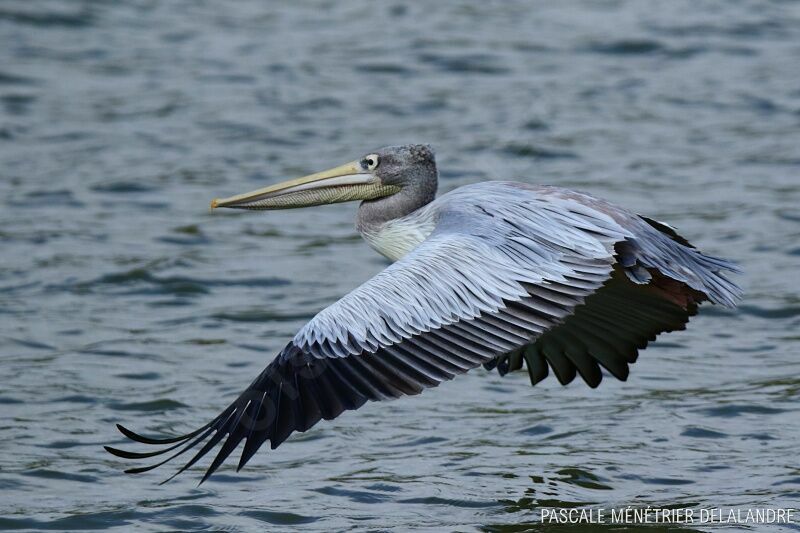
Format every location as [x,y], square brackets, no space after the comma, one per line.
[395,225]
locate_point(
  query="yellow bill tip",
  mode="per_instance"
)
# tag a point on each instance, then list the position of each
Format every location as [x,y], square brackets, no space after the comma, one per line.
[214,203]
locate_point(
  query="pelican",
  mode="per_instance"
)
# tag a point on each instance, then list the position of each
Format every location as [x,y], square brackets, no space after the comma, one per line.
[498,274]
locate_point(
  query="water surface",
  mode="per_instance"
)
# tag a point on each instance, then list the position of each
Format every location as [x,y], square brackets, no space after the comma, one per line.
[125,300]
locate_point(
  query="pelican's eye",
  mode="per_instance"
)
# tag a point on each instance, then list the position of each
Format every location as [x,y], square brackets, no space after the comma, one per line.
[371,162]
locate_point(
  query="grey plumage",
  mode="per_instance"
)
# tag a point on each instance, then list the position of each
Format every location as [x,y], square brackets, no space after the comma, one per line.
[495,274]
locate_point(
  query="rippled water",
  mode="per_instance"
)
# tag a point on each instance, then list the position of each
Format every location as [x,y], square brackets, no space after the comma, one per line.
[124,299]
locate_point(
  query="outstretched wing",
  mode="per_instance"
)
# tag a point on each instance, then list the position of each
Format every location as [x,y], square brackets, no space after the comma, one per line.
[505,265]
[486,281]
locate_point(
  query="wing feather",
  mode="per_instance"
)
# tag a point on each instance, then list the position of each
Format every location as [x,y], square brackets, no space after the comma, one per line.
[511,274]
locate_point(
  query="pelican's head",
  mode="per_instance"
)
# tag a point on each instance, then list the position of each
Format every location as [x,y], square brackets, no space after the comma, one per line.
[379,174]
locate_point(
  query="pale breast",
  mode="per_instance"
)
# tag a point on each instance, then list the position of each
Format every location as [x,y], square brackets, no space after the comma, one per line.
[395,238]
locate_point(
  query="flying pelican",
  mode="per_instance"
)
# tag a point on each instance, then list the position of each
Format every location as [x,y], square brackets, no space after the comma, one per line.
[493,274]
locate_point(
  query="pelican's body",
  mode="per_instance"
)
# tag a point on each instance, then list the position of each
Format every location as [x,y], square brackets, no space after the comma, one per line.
[495,274]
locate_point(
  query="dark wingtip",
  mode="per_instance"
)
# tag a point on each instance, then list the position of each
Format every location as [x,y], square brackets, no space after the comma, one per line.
[206,476]
[135,436]
[121,453]
[142,469]
[247,453]
[137,470]
[147,440]
[136,455]
[113,451]
[243,458]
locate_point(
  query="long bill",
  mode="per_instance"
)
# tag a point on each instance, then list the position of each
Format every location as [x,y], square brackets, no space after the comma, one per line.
[345,183]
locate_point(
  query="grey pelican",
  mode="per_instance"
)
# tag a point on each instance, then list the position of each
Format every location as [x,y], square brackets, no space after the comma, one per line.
[498,274]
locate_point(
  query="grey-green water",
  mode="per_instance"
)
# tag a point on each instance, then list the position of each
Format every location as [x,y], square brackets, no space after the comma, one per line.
[123,299]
